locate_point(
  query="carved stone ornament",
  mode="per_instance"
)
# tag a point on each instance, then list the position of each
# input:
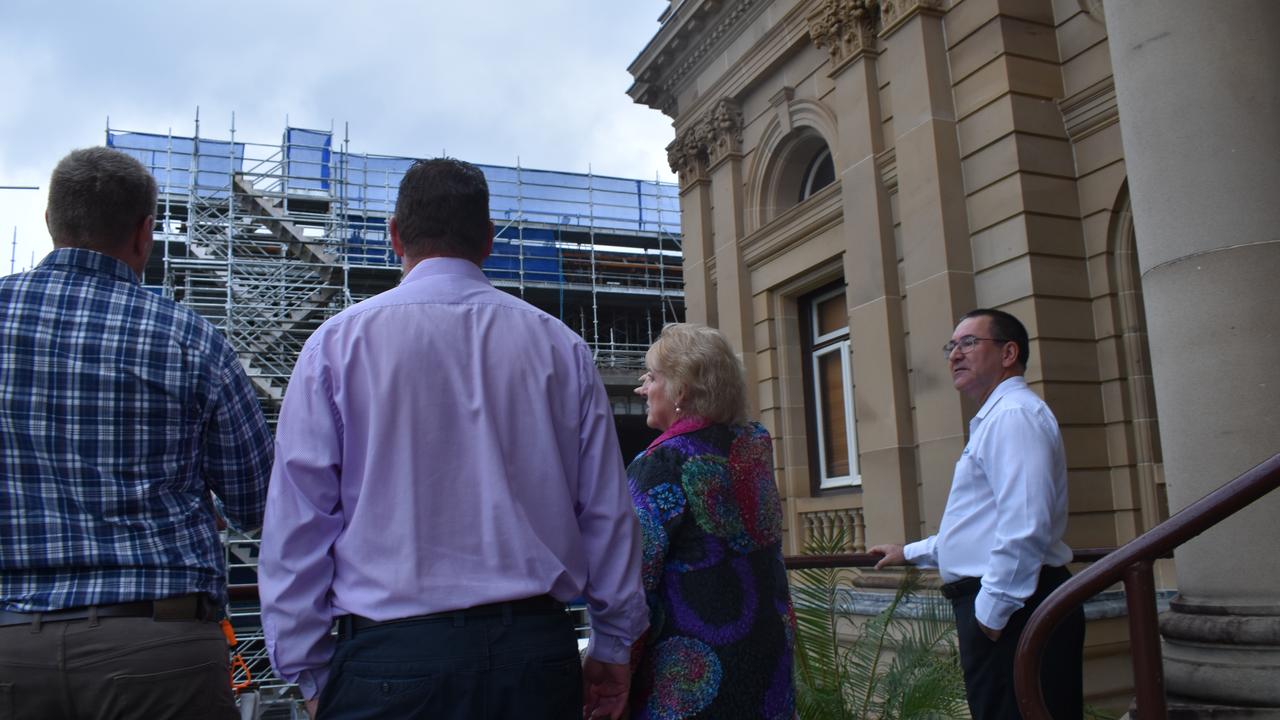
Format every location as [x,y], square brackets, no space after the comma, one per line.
[895,12]
[845,28]
[724,130]
[687,156]
[708,141]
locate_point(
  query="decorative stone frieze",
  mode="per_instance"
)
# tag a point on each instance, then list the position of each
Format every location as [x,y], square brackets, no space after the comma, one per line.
[845,28]
[894,13]
[691,41]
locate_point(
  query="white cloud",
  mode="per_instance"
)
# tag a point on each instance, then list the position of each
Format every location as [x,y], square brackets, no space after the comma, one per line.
[490,82]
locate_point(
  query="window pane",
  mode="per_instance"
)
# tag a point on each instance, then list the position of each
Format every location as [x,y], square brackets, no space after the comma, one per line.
[832,315]
[830,382]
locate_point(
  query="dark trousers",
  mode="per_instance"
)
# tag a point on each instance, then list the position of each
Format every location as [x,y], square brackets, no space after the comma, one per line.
[471,665]
[988,666]
[115,668]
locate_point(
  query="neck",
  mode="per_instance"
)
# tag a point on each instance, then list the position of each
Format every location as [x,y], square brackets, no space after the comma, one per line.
[407,263]
[1007,374]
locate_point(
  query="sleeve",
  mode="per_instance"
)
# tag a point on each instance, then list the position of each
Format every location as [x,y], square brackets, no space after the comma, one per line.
[922,553]
[610,533]
[237,447]
[303,520]
[1019,465]
[657,491]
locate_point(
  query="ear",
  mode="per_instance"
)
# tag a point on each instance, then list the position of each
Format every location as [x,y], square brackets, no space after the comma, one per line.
[137,249]
[1009,354]
[144,239]
[396,246]
[488,248]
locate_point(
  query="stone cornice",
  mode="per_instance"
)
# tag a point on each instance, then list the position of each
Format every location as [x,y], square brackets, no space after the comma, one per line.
[845,28]
[1090,110]
[887,164]
[716,136]
[788,32]
[819,212]
[895,13]
[692,33]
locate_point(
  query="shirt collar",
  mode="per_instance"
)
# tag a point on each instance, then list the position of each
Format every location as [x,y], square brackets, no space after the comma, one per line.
[438,266]
[90,261]
[682,426]
[1004,388]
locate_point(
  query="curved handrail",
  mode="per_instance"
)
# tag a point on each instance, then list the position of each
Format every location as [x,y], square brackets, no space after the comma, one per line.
[1132,564]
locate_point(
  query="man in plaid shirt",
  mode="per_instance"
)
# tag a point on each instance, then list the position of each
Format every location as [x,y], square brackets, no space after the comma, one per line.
[124,418]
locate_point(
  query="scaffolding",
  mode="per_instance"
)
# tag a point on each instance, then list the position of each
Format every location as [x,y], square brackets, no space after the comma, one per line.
[269,240]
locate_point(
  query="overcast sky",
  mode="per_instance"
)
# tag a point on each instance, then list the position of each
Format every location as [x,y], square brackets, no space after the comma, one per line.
[489,81]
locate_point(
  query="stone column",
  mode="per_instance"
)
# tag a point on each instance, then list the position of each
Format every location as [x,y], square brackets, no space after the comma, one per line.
[688,159]
[1198,87]
[886,445]
[735,317]
[937,259]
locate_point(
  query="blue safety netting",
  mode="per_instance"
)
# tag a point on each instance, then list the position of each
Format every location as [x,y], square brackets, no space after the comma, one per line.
[184,166]
[530,253]
[308,159]
[366,186]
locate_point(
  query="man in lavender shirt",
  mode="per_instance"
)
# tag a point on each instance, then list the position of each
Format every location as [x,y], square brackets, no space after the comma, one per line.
[447,475]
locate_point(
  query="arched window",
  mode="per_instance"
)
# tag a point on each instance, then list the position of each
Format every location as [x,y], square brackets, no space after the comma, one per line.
[820,173]
[802,165]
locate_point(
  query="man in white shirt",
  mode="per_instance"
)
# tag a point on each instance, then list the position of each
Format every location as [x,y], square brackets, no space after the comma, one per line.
[999,548]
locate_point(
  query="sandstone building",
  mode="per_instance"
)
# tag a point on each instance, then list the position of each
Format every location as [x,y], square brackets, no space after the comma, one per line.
[856,174]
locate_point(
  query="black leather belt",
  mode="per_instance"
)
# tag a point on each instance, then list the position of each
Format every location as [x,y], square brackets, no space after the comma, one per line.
[971,585]
[962,587]
[186,607]
[542,604]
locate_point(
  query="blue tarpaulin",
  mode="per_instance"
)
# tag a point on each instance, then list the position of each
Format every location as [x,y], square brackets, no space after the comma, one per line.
[366,186]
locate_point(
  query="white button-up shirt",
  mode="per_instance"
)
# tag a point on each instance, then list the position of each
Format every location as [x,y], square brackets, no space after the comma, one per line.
[1007,510]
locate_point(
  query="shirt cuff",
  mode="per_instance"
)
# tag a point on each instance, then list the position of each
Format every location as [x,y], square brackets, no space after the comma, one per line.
[993,611]
[608,648]
[311,682]
[917,553]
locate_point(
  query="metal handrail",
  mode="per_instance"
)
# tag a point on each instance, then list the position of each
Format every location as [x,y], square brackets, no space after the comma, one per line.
[1132,563]
[850,560]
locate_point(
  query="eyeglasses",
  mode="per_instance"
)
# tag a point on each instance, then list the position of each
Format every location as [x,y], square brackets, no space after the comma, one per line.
[967,344]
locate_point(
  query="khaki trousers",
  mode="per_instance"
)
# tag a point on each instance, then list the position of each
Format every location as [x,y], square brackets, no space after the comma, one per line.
[115,668]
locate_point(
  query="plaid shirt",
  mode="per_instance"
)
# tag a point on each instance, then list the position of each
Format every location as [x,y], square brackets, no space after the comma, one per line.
[119,412]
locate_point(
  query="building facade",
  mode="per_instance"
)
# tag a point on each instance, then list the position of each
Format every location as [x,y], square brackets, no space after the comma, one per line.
[856,174]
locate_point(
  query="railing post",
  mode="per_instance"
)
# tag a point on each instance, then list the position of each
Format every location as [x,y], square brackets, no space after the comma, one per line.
[1144,638]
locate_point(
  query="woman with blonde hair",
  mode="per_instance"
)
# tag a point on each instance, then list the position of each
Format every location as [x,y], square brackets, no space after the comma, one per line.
[721,629]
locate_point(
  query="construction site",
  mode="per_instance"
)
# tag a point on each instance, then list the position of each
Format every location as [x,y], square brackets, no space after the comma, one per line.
[267,241]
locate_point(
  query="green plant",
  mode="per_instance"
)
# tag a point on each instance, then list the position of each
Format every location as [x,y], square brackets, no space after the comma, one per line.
[888,667]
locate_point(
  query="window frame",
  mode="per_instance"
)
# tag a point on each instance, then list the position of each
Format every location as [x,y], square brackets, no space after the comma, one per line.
[817,347]
[807,189]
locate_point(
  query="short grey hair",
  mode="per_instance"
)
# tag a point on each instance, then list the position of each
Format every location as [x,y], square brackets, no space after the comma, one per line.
[97,198]
[699,363]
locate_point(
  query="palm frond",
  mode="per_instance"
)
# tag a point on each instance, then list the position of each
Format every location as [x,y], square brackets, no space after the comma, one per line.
[886,667]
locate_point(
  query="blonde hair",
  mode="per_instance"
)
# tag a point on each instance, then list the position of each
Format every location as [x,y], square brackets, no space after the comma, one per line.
[699,364]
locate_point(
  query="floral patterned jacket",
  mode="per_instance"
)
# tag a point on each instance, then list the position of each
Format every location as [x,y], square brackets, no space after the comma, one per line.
[721,629]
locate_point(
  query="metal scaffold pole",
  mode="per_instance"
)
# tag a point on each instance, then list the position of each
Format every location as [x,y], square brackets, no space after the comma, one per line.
[231,227]
[591,234]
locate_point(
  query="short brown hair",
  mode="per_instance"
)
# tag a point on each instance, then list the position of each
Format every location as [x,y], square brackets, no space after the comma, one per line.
[443,209]
[97,198]
[699,363]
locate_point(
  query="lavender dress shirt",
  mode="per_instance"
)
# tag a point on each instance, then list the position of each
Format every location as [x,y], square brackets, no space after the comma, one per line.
[444,445]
